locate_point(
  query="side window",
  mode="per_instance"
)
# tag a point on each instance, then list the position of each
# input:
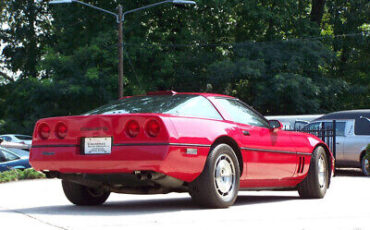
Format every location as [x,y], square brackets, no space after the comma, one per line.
[313,126]
[362,126]
[5,138]
[240,113]
[196,107]
[298,125]
[7,156]
[339,127]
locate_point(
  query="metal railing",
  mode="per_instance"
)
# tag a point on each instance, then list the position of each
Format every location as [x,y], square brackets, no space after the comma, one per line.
[327,133]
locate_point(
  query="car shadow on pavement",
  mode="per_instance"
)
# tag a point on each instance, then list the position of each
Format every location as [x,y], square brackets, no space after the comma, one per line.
[352,172]
[140,207]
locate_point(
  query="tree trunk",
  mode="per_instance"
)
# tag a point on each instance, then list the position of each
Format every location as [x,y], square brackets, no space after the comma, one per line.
[317,10]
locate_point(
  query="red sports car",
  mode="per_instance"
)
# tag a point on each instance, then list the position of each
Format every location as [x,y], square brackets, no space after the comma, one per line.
[209,145]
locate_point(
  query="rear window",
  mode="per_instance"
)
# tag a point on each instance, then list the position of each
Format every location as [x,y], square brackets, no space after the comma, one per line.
[180,105]
[23,137]
[362,126]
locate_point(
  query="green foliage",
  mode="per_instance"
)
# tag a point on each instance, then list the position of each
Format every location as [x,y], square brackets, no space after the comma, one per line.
[16,174]
[368,152]
[276,55]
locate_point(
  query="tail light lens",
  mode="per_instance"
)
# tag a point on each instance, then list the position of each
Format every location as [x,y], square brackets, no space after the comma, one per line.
[152,128]
[61,130]
[132,128]
[44,131]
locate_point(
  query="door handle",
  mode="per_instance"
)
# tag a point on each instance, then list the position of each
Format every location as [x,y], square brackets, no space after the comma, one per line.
[246,133]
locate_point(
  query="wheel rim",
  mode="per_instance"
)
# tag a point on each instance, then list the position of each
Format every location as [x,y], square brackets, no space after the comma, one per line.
[224,176]
[322,171]
[366,165]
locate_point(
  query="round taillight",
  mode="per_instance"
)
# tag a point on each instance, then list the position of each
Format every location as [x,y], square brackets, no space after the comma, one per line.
[61,130]
[132,128]
[44,131]
[152,128]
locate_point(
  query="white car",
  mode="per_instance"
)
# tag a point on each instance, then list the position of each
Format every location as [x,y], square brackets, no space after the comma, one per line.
[17,138]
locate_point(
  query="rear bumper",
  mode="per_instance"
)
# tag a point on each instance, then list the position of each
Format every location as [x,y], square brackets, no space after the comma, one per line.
[170,159]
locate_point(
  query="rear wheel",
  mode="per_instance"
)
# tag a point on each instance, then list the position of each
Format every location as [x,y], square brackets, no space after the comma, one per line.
[317,181]
[218,184]
[365,166]
[82,195]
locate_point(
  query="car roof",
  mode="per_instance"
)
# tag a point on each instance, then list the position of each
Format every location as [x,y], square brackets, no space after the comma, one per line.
[347,114]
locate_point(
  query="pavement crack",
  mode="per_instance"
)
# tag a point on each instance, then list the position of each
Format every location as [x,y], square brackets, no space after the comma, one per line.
[35,218]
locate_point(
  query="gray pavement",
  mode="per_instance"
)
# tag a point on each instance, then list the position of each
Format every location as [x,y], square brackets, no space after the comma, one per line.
[41,204]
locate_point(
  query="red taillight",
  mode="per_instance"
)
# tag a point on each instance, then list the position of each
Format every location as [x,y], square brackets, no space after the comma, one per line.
[44,131]
[132,128]
[152,128]
[61,130]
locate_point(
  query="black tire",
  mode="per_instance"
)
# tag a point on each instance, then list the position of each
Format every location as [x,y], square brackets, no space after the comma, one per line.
[82,195]
[365,166]
[312,186]
[221,191]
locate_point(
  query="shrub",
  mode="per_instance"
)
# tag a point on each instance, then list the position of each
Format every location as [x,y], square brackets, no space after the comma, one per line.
[16,174]
[368,152]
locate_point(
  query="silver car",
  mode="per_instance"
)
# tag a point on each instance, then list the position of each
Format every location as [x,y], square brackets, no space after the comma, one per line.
[352,137]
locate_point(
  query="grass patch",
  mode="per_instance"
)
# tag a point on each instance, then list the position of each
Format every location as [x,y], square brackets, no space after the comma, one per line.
[16,174]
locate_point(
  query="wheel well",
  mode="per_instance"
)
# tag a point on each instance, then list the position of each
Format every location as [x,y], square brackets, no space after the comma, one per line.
[362,155]
[232,143]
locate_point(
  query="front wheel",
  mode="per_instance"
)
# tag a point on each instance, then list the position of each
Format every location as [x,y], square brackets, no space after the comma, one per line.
[317,180]
[82,195]
[365,166]
[218,184]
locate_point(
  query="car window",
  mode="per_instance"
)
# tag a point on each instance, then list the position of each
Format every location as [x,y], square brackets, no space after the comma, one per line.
[23,137]
[6,138]
[7,156]
[180,104]
[298,125]
[240,113]
[339,127]
[362,126]
[313,126]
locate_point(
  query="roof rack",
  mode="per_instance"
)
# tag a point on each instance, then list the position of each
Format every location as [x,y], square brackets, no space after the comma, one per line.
[168,92]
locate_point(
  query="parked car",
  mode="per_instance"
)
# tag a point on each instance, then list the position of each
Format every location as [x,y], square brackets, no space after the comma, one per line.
[17,138]
[352,136]
[20,152]
[294,122]
[209,145]
[11,160]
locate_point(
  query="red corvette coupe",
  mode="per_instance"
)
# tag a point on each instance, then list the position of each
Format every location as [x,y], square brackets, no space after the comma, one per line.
[209,145]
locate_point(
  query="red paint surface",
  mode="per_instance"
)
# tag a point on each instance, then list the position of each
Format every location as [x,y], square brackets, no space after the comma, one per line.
[265,168]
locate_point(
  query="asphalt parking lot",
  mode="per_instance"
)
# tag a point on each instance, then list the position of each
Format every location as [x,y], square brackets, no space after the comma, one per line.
[41,204]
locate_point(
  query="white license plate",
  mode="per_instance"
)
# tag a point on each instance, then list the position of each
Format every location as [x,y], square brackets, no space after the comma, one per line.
[98,145]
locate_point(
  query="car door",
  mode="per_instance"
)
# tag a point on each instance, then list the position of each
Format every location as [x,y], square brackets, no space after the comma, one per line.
[340,137]
[268,154]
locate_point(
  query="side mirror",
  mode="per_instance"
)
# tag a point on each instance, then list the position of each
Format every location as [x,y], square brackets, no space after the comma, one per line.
[275,125]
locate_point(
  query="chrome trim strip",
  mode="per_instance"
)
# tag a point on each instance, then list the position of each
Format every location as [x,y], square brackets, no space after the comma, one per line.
[129,144]
[48,146]
[274,151]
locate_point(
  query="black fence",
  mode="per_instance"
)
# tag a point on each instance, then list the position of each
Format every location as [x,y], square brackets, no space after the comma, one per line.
[326,131]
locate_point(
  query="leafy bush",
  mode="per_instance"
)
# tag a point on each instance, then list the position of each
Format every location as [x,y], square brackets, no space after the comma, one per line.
[16,174]
[368,152]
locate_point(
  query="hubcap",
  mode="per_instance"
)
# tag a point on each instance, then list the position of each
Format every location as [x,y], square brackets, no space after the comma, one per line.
[224,176]
[322,171]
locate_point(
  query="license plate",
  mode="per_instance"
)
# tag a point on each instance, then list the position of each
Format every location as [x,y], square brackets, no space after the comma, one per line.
[97,145]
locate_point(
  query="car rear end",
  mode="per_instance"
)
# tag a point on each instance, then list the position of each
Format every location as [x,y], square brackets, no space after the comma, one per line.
[99,144]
